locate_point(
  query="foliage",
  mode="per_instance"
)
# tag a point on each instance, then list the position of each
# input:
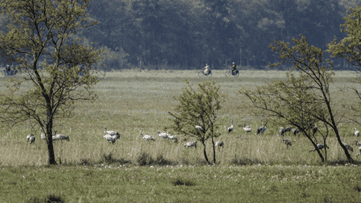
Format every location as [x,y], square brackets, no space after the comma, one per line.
[187,34]
[40,38]
[300,101]
[349,49]
[198,108]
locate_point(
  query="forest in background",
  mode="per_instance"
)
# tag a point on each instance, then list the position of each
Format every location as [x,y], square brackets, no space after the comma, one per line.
[187,34]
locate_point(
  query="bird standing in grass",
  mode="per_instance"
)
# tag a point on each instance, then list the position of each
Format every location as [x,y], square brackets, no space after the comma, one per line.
[60,137]
[219,144]
[191,144]
[230,128]
[247,128]
[319,146]
[31,138]
[198,127]
[348,147]
[287,142]
[261,129]
[163,135]
[296,131]
[110,132]
[173,138]
[357,133]
[111,138]
[147,137]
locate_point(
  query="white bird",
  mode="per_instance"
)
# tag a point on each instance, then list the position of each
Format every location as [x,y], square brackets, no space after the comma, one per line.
[219,144]
[247,128]
[42,136]
[348,147]
[261,129]
[163,135]
[60,136]
[357,133]
[357,143]
[111,138]
[190,144]
[319,146]
[230,128]
[110,132]
[147,137]
[198,127]
[31,138]
[173,138]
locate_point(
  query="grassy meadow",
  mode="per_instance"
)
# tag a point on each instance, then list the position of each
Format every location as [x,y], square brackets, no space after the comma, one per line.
[255,168]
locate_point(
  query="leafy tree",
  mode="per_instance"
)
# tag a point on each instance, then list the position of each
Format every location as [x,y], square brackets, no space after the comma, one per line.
[349,48]
[40,37]
[198,108]
[304,100]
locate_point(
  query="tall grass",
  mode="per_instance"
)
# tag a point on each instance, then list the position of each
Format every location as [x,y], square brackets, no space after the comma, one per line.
[131,102]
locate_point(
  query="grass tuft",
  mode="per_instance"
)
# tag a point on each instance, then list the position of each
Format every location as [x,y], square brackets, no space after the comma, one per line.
[245,161]
[144,159]
[85,162]
[51,198]
[178,181]
[109,159]
[358,188]
[162,161]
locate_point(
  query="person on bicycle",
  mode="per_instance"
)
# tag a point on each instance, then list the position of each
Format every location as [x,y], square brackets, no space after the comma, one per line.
[234,68]
[207,70]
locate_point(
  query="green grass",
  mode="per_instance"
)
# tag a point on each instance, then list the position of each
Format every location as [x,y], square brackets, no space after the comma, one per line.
[130,102]
[116,183]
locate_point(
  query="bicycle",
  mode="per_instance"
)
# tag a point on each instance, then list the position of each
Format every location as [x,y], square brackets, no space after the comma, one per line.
[202,74]
[230,73]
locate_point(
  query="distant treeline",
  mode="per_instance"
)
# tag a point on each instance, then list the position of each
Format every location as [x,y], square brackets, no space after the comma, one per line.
[187,34]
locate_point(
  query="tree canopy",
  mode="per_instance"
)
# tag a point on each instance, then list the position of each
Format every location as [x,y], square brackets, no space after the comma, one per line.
[41,38]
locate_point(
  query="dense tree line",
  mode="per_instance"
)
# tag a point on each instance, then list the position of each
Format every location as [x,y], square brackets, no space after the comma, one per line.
[189,33]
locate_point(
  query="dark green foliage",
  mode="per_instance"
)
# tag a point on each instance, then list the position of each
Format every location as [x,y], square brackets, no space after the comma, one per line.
[187,34]
[197,113]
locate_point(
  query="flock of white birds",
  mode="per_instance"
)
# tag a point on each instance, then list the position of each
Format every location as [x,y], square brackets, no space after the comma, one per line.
[112,136]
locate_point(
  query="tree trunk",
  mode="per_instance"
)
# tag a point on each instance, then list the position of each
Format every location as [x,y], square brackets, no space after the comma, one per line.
[214,151]
[324,142]
[318,151]
[49,134]
[205,153]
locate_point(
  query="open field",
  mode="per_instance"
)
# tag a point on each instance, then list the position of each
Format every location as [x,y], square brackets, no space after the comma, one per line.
[116,183]
[131,102]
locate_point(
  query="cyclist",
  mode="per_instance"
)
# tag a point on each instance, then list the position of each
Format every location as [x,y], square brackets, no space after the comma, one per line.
[234,68]
[207,70]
